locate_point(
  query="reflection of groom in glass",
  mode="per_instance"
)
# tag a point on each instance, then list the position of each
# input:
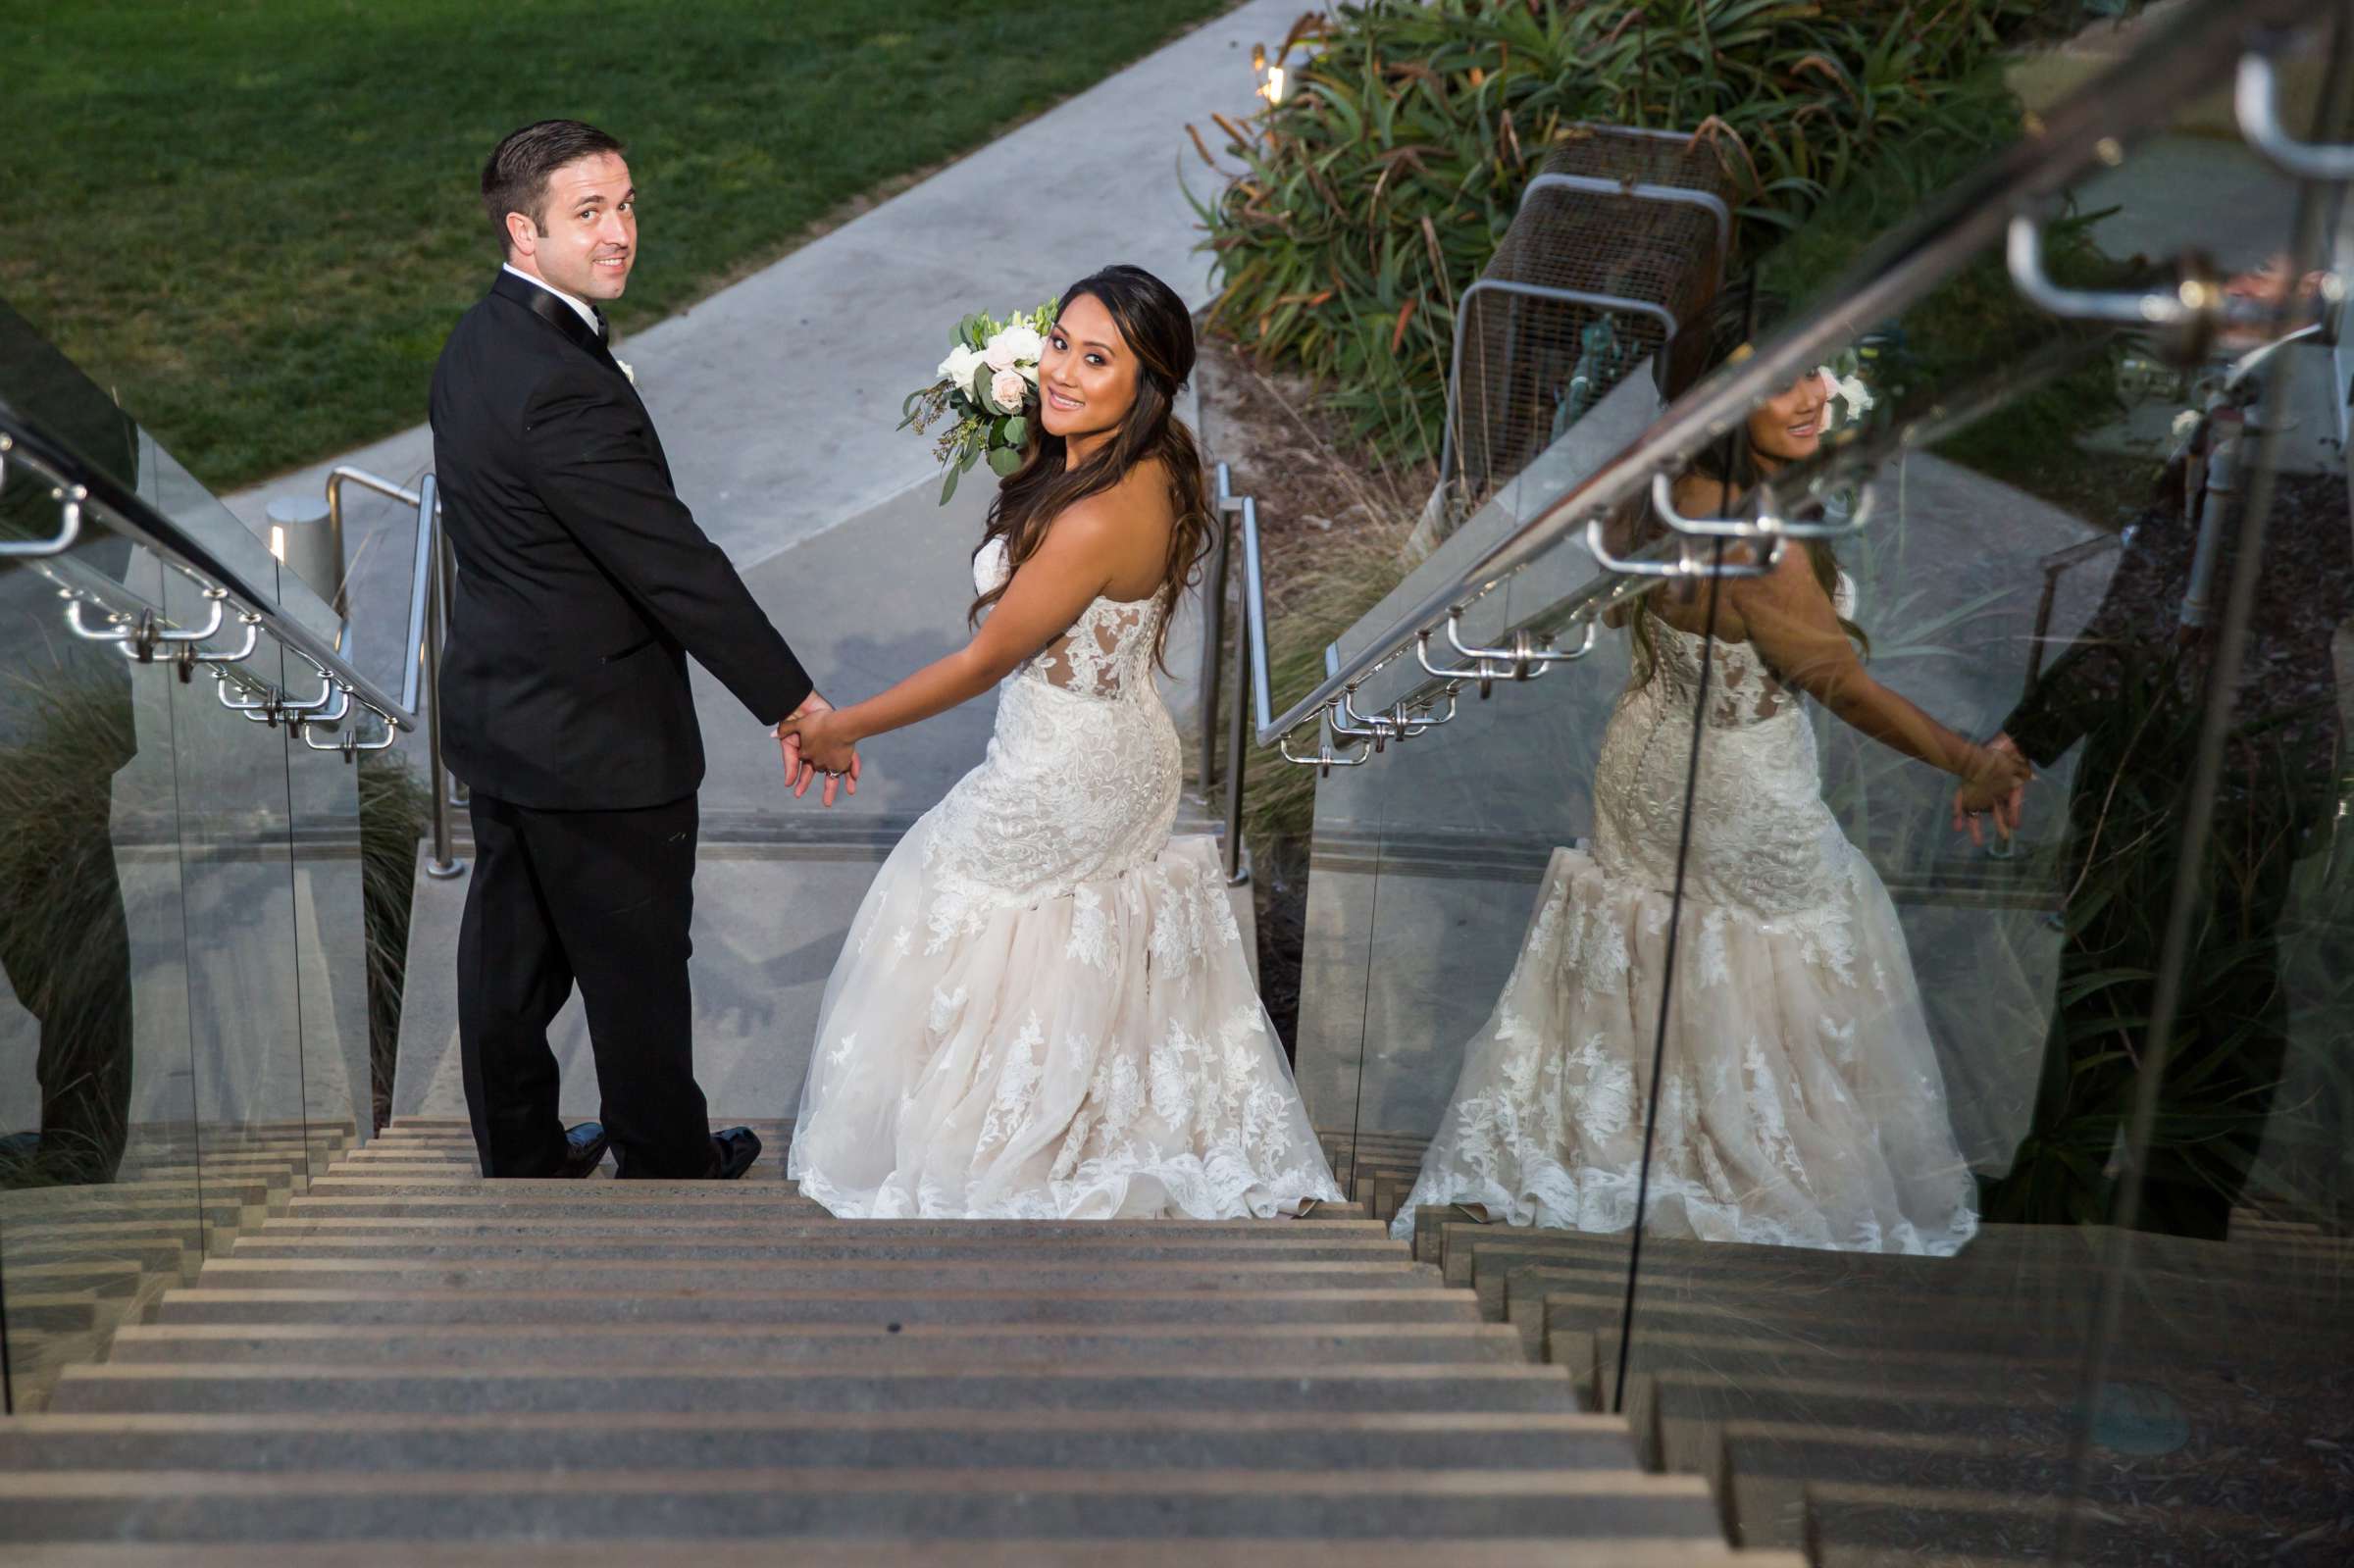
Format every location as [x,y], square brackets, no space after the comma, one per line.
[65,730]
[2134,688]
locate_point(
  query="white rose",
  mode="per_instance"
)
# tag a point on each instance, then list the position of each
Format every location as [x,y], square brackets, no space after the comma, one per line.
[1023,343]
[997,353]
[1010,390]
[1859,396]
[623,365]
[959,366]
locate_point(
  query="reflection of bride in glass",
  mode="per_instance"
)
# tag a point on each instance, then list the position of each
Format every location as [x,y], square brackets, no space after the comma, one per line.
[1802,1103]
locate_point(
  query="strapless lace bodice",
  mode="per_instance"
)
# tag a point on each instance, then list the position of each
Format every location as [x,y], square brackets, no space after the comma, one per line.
[1743,688]
[1106,653]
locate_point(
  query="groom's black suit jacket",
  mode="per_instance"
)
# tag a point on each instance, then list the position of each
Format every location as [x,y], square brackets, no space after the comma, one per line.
[584,583]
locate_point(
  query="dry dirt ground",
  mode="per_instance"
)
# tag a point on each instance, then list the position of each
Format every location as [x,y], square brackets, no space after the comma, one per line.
[1333,524]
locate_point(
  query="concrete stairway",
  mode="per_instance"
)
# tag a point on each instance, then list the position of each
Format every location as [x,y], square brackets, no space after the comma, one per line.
[408,1364]
[1877,1411]
[81,1261]
[1377,1168]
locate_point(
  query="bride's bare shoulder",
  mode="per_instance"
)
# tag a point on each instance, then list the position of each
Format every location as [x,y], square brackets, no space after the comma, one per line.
[1136,502]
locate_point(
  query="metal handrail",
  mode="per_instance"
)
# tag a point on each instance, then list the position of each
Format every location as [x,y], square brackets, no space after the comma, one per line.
[92,490]
[432,579]
[2201,48]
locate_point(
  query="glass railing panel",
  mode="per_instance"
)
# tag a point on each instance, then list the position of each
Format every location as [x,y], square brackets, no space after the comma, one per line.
[99,1197]
[244,975]
[2197,1100]
[1336,951]
[346,989]
[1426,859]
[333,956]
[1882,1219]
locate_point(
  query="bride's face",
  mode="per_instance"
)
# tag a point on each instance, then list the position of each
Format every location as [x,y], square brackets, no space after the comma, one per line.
[1788,426]
[1086,374]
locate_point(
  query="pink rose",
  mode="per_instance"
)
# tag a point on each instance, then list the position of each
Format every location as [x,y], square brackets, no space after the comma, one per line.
[1008,389]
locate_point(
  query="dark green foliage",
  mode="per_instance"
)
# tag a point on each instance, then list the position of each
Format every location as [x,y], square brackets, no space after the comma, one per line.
[1373,196]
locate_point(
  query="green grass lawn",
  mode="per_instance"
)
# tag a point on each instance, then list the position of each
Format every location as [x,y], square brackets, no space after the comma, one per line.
[257,219]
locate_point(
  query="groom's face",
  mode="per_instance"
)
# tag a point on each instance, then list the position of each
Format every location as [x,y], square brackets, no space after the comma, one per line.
[591,220]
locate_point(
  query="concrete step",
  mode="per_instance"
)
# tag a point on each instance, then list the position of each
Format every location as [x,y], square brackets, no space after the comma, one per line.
[1059,1273]
[616,1192]
[768,1345]
[623,1200]
[1678,1415]
[155,1254]
[822,1246]
[104,1276]
[1108,1439]
[1126,1551]
[173,1196]
[783,1504]
[1592,1358]
[1852,1525]
[1763,1470]
[617,1392]
[188,1233]
[2043,1252]
[601,1223]
[74,1313]
[386,1308]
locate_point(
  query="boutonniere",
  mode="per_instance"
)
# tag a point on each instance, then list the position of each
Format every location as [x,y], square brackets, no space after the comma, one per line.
[624,366]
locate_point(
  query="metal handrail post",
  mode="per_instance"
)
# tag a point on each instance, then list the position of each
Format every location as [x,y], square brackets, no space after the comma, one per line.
[1214,633]
[443,864]
[1251,695]
[449,595]
[1238,743]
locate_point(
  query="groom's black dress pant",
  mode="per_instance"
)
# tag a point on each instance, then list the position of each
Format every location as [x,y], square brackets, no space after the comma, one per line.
[601,900]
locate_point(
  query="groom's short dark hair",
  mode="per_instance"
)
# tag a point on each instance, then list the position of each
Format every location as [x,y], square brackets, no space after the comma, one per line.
[515,180]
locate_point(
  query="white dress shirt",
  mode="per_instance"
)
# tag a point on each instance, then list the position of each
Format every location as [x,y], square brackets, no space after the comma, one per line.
[579,307]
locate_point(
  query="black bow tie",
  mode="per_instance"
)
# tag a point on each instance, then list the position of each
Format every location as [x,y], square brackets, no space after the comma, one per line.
[605,327]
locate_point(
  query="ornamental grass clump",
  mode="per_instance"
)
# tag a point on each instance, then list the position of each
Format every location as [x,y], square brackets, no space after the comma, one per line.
[1374,191]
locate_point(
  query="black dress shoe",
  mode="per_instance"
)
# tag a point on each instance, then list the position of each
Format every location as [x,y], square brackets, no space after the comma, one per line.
[583,1151]
[732,1152]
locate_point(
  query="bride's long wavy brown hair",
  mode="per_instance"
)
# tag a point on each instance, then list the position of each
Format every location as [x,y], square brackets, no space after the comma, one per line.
[1160,331]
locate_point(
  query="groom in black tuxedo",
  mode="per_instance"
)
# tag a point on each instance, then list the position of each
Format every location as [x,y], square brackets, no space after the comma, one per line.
[582,587]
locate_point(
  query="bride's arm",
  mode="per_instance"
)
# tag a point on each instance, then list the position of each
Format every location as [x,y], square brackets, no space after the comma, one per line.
[1793,626]
[1069,570]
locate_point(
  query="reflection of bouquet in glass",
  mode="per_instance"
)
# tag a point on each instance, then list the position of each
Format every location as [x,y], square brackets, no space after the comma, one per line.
[1879,369]
[1848,399]
[988,386]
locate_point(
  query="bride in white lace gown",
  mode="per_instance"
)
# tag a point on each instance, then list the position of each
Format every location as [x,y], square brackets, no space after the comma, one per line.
[1802,1103]
[1044,1009]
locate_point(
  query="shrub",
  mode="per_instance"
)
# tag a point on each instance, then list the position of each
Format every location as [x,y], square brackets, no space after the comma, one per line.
[1374,193]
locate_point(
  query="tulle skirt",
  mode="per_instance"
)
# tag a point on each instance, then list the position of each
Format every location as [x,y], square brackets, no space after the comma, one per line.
[1800,1101]
[1093,1051]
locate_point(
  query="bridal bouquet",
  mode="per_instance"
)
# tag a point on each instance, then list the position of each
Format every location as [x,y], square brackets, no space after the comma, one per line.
[1847,398]
[988,386]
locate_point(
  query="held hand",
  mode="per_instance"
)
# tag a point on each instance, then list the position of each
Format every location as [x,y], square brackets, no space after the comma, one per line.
[814,741]
[1995,782]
